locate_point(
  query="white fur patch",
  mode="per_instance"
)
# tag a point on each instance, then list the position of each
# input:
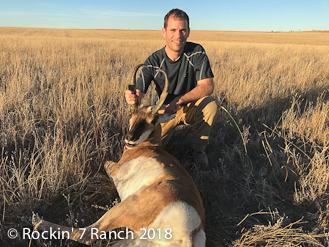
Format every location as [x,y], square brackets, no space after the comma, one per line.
[182,219]
[136,173]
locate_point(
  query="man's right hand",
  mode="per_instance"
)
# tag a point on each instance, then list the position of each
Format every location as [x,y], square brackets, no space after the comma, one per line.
[132,97]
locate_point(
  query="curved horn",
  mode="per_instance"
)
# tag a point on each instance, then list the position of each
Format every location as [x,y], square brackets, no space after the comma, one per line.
[164,91]
[132,87]
[135,72]
[163,94]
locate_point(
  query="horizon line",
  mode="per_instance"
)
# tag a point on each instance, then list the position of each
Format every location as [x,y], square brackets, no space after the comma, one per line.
[128,29]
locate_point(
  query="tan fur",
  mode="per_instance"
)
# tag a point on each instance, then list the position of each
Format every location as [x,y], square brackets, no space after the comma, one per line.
[177,183]
[140,208]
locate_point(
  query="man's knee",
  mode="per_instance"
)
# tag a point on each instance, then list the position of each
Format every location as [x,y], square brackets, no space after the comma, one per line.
[212,105]
[209,107]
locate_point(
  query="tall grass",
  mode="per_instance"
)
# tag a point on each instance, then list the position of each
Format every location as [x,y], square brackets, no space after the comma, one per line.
[63,114]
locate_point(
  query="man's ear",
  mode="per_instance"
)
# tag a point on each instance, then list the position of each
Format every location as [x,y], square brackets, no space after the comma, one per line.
[165,117]
[164,32]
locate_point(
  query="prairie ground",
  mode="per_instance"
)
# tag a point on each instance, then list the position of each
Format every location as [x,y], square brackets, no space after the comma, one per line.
[63,114]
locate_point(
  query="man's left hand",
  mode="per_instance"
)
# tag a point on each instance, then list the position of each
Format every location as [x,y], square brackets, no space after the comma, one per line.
[173,106]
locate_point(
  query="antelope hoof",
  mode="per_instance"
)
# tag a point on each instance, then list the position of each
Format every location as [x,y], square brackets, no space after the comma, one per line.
[36,219]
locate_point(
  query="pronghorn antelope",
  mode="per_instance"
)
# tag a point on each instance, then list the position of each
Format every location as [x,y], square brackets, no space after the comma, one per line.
[157,194]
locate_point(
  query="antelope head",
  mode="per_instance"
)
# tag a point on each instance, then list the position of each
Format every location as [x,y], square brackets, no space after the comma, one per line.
[144,123]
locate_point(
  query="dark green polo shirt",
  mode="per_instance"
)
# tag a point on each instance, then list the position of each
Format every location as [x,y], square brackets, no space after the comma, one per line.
[183,74]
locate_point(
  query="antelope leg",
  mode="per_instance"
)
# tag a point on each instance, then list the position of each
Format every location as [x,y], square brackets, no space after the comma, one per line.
[135,212]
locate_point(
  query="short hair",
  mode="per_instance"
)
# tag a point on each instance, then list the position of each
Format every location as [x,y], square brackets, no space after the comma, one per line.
[178,13]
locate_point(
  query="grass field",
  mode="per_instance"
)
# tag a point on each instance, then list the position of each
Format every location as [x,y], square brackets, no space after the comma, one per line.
[63,114]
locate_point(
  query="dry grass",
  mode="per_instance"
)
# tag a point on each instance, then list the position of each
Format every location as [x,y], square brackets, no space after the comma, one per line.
[63,114]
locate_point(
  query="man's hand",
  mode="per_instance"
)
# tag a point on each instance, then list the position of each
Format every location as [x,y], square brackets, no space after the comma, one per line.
[132,97]
[173,106]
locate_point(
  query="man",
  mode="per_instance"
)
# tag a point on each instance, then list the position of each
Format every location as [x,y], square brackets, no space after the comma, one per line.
[190,84]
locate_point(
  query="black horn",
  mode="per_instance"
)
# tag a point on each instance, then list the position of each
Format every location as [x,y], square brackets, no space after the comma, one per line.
[132,87]
[163,94]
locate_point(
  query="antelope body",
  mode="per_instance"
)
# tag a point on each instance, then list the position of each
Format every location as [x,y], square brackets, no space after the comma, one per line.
[156,192]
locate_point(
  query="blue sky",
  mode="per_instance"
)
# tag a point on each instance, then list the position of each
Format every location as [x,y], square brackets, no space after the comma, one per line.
[232,15]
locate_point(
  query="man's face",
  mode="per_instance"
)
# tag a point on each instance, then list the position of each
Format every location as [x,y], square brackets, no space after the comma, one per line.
[176,33]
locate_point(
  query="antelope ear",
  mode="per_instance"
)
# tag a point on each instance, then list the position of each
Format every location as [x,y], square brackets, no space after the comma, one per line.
[165,117]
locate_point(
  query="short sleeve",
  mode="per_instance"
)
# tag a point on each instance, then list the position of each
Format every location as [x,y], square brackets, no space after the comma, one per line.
[202,66]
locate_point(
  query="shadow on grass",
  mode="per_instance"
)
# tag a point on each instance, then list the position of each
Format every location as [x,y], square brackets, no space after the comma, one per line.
[250,180]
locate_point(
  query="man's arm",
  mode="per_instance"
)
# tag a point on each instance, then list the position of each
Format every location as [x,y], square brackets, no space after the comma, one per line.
[204,88]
